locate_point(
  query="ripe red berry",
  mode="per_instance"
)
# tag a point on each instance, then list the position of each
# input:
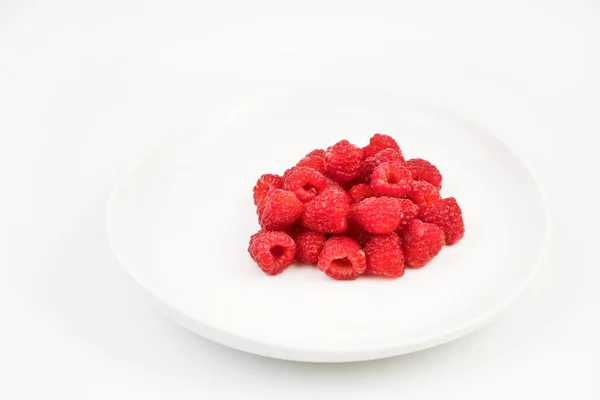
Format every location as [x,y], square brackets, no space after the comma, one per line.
[305,182]
[408,212]
[272,251]
[360,192]
[308,246]
[295,229]
[423,170]
[327,212]
[391,179]
[422,241]
[342,161]
[384,255]
[264,185]
[315,160]
[348,185]
[355,231]
[280,210]
[316,163]
[260,208]
[378,215]
[367,166]
[331,184]
[423,194]
[316,153]
[342,258]
[366,169]
[446,214]
[379,142]
[387,155]
[386,205]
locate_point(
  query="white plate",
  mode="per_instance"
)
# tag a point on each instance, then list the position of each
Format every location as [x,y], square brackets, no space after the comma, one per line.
[180,224]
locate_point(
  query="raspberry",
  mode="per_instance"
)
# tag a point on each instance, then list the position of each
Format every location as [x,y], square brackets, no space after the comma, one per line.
[315,160]
[355,231]
[352,210]
[348,185]
[358,234]
[305,182]
[342,258]
[384,256]
[331,184]
[422,242]
[264,185]
[316,153]
[328,212]
[391,179]
[423,194]
[260,208]
[316,163]
[280,210]
[408,212]
[272,251]
[295,229]
[285,175]
[378,215]
[342,161]
[368,164]
[366,169]
[360,192]
[387,155]
[379,142]
[446,214]
[253,237]
[308,246]
[423,170]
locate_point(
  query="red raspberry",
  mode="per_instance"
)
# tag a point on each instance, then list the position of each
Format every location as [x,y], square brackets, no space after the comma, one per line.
[331,184]
[316,163]
[308,246]
[384,255]
[295,229]
[260,208]
[408,212]
[305,182]
[316,153]
[423,170]
[446,214]
[378,215]
[328,212]
[379,142]
[342,258]
[280,210]
[358,234]
[422,242]
[360,192]
[366,169]
[387,155]
[315,160]
[253,237]
[368,164]
[423,194]
[285,174]
[264,185]
[272,251]
[342,161]
[355,231]
[348,185]
[391,179]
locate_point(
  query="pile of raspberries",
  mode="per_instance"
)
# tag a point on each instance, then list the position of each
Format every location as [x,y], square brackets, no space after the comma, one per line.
[352,211]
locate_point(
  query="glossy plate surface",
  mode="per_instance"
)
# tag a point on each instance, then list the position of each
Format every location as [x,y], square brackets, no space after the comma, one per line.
[181,220]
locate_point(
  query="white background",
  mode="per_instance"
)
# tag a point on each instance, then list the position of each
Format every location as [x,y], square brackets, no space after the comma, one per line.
[86,88]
